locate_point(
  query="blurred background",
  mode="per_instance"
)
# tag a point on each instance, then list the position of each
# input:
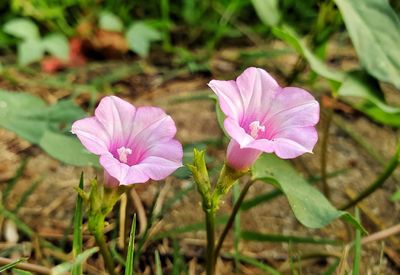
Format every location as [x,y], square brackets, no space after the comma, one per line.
[58,58]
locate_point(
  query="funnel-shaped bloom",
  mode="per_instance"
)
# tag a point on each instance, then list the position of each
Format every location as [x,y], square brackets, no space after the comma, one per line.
[263,117]
[134,144]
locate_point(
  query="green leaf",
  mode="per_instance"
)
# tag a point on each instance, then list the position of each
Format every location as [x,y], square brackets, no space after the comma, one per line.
[374,29]
[57,45]
[318,66]
[22,113]
[364,94]
[20,272]
[30,118]
[67,149]
[130,256]
[30,51]
[275,238]
[22,28]
[12,264]
[265,197]
[110,22]
[309,206]
[139,37]
[267,11]
[64,268]
[77,239]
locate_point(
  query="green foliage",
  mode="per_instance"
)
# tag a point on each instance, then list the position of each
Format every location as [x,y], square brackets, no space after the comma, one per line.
[71,151]
[309,206]
[130,256]
[370,98]
[374,29]
[261,237]
[158,263]
[77,236]
[79,260]
[57,45]
[30,118]
[32,48]
[268,11]
[30,51]
[262,266]
[12,264]
[22,28]
[110,22]
[139,36]
[288,35]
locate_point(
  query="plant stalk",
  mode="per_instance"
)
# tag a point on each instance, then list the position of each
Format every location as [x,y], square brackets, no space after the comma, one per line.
[210,226]
[98,232]
[231,220]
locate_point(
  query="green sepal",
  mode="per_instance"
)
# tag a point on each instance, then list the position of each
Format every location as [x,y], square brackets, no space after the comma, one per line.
[200,176]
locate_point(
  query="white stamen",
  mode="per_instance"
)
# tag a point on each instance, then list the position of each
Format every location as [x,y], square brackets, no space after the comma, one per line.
[123,154]
[255,127]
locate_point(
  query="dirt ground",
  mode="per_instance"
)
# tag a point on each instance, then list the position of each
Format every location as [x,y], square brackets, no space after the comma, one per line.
[49,209]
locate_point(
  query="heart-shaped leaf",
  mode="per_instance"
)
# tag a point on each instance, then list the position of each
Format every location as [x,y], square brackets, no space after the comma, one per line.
[309,206]
[139,37]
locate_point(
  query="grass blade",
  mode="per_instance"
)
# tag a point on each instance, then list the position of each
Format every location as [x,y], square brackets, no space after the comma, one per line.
[261,237]
[11,265]
[78,260]
[263,266]
[178,262]
[77,239]
[131,249]
[187,228]
[357,247]
[158,263]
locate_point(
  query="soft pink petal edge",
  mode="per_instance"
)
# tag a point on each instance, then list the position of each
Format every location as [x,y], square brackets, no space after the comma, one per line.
[92,135]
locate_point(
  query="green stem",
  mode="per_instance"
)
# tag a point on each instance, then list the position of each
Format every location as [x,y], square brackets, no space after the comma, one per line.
[97,228]
[210,226]
[387,172]
[232,217]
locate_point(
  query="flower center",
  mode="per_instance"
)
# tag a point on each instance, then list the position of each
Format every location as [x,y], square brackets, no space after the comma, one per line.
[255,128]
[123,153]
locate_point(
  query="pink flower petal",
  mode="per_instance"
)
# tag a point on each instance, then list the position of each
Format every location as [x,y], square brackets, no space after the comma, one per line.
[144,118]
[92,135]
[240,159]
[158,168]
[294,142]
[122,172]
[229,98]
[170,150]
[134,145]
[117,117]
[236,132]
[263,145]
[292,107]
[257,89]
[160,131]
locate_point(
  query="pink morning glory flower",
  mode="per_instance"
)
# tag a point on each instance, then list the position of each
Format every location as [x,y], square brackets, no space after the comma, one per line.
[134,144]
[261,117]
